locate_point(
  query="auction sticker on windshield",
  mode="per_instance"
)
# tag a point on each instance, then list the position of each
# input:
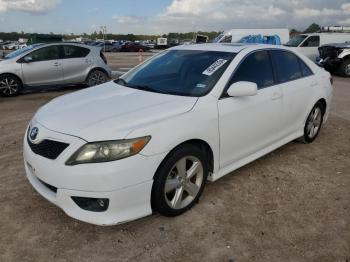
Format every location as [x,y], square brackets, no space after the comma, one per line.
[215,66]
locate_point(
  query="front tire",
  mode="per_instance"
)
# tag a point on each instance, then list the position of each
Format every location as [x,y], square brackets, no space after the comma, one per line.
[96,77]
[179,181]
[9,85]
[313,124]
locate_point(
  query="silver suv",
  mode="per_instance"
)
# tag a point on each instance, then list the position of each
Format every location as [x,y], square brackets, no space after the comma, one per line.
[52,65]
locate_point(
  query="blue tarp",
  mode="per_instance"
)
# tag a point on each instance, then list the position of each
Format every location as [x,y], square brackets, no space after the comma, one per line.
[259,39]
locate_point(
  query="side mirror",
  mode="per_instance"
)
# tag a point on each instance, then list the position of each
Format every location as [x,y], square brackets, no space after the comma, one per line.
[28,59]
[242,88]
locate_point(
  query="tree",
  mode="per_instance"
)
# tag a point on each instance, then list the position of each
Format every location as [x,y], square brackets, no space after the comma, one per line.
[313,28]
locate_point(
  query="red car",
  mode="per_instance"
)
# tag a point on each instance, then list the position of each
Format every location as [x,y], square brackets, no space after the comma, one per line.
[133,47]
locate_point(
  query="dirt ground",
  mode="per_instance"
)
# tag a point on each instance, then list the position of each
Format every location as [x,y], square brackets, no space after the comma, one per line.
[291,205]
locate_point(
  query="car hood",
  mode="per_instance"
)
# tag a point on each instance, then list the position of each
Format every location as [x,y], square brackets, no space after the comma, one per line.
[109,111]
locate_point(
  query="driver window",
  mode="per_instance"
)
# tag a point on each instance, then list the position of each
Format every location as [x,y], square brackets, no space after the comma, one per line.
[255,68]
[227,39]
[45,54]
[312,41]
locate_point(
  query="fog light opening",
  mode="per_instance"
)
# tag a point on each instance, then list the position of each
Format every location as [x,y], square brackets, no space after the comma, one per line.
[91,204]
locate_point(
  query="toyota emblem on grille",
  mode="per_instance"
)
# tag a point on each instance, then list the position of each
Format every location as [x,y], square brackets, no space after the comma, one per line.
[34,133]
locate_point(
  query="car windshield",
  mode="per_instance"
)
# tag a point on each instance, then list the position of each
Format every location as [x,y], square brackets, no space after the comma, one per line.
[20,51]
[179,72]
[296,40]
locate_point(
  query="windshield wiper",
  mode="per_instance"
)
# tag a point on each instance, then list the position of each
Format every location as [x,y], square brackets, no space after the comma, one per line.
[148,88]
[121,81]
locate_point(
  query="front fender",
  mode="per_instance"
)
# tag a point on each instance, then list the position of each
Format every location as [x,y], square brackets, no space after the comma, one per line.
[199,123]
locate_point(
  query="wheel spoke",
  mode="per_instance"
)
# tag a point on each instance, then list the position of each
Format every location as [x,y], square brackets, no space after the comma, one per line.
[171,184]
[181,167]
[193,170]
[312,131]
[317,122]
[315,114]
[176,202]
[191,188]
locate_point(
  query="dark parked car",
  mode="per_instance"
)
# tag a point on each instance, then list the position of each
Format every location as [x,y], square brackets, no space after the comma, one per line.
[335,58]
[106,47]
[133,47]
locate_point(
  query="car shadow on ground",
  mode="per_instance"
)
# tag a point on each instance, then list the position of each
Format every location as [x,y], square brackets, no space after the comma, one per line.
[36,90]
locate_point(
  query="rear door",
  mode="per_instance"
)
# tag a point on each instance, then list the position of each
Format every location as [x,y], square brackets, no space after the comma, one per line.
[76,63]
[297,82]
[45,67]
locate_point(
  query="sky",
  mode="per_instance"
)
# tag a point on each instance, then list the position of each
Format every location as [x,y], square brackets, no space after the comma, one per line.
[164,16]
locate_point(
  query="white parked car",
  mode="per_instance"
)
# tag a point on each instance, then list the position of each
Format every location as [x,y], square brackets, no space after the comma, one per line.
[308,44]
[235,35]
[149,141]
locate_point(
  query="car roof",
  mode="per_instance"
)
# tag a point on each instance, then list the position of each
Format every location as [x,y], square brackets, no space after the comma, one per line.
[225,47]
[92,48]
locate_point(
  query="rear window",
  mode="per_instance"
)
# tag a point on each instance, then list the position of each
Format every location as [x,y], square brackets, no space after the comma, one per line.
[70,51]
[287,65]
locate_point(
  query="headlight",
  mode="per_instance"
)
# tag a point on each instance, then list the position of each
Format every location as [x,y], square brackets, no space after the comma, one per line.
[107,151]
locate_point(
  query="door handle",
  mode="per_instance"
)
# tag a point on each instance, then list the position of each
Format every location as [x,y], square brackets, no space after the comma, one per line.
[56,64]
[276,95]
[314,83]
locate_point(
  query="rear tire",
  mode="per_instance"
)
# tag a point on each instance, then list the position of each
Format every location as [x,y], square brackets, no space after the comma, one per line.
[179,181]
[313,124]
[9,85]
[96,77]
[345,67]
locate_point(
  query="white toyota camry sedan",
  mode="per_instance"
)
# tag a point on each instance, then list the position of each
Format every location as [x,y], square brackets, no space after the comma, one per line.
[149,141]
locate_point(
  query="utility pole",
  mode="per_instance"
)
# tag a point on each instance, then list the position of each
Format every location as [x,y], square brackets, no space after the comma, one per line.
[104,31]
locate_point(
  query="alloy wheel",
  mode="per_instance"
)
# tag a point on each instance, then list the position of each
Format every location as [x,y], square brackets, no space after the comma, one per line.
[314,122]
[97,78]
[9,86]
[347,70]
[183,182]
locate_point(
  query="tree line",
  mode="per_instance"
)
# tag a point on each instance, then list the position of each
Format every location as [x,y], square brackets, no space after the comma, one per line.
[14,36]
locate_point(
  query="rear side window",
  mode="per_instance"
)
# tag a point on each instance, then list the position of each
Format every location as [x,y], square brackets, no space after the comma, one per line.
[75,51]
[287,65]
[312,41]
[255,68]
[305,70]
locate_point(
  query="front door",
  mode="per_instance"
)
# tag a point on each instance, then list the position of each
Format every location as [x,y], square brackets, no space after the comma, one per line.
[43,68]
[249,124]
[309,47]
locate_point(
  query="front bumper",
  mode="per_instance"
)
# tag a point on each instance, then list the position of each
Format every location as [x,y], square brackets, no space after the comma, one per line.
[330,64]
[126,183]
[124,205]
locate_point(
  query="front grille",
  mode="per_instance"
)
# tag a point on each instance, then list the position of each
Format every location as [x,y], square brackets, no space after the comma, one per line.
[48,148]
